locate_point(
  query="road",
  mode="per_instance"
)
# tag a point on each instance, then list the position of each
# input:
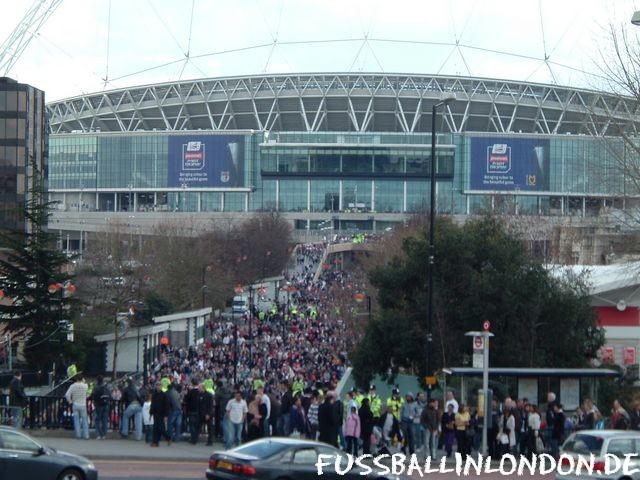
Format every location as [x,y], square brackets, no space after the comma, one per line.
[152,470]
[149,469]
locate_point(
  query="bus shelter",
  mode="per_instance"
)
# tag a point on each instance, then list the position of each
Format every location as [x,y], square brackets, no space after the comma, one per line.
[571,385]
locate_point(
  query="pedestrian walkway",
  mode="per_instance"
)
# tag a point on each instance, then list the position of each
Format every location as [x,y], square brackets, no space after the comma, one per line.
[128,449]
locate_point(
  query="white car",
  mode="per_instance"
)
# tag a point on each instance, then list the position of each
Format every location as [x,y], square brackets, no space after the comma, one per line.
[601,443]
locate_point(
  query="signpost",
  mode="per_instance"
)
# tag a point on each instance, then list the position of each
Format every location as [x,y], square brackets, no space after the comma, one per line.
[481,360]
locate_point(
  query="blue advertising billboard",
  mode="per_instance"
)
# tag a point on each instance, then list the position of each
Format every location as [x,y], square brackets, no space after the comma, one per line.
[509,164]
[206,161]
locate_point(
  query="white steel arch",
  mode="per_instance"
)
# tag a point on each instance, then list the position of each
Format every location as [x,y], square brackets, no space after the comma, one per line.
[348,102]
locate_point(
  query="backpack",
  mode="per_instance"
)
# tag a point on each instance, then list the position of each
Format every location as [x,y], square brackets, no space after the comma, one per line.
[101,396]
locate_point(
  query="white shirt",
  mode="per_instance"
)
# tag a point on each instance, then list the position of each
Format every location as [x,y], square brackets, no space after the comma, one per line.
[267,401]
[236,410]
[453,402]
[147,419]
[77,394]
[534,421]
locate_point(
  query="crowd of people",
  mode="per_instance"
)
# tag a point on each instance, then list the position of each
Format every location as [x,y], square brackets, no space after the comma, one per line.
[276,372]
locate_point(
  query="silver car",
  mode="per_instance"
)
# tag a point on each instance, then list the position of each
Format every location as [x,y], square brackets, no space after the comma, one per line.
[601,443]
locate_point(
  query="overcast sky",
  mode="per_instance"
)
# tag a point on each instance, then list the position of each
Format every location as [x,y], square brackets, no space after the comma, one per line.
[127,42]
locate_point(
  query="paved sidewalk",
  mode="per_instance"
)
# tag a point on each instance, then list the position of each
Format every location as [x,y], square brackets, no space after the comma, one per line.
[127,449]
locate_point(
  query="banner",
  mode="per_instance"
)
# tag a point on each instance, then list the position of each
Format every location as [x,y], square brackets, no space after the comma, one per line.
[509,164]
[206,161]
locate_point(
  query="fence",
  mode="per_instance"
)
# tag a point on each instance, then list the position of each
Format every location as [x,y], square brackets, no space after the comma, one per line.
[54,412]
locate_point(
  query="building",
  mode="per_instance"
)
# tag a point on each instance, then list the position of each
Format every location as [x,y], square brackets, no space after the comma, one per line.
[614,292]
[137,345]
[23,139]
[336,151]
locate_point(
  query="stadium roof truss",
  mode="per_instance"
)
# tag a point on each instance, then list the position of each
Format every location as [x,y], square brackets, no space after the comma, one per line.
[347,102]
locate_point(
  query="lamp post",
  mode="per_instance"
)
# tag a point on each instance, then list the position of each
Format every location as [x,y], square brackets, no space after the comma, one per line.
[238,290]
[432,226]
[205,269]
[287,288]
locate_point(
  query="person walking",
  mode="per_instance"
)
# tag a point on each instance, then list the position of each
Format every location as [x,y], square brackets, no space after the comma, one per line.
[351,431]
[312,416]
[101,398]
[18,399]
[192,408]
[533,433]
[462,420]
[206,412]
[429,420]
[174,424]
[366,426]
[133,408]
[448,429]
[297,422]
[77,396]
[147,419]
[408,413]
[160,408]
[237,412]
[328,422]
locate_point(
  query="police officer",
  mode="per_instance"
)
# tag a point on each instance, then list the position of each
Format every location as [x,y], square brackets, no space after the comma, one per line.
[375,403]
[395,402]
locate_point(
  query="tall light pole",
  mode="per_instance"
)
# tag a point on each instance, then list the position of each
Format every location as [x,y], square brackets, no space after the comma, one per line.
[432,225]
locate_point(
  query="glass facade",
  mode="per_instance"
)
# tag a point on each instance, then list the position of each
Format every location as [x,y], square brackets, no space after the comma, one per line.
[346,173]
[23,137]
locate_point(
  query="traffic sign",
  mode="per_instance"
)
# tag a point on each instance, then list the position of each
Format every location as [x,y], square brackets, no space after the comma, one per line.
[478,343]
[478,360]
[486,325]
[430,380]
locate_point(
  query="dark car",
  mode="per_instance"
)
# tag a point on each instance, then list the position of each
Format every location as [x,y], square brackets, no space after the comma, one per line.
[281,459]
[23,457]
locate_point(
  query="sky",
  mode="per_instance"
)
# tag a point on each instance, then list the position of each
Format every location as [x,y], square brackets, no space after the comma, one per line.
[89,46]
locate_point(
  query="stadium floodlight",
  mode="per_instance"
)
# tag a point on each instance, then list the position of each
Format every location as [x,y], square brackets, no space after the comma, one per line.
[636,18]
[445,99]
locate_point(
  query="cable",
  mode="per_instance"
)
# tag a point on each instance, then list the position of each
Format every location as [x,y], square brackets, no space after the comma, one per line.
[106,76]
[26,347]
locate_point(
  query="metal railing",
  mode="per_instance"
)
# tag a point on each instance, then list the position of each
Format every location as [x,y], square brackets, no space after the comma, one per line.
[54,412]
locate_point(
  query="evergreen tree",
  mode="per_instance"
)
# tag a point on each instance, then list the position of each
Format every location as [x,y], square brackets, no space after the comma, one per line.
[36,283]
[481,273]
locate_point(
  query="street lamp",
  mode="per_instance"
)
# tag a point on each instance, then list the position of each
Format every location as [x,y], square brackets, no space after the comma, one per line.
[205,269]
[238,290]
[636,18]
[287,288]
[432,225]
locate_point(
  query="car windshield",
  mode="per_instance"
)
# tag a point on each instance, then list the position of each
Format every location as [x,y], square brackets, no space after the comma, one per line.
[261,449]
[584,444]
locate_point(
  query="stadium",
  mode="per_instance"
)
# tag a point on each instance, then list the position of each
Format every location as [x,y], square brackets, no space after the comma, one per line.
[337,152]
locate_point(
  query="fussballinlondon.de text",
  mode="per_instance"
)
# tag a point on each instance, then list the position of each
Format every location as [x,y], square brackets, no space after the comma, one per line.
[399,464]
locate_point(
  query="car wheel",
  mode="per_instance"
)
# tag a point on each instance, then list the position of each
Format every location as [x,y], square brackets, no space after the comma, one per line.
[71,474]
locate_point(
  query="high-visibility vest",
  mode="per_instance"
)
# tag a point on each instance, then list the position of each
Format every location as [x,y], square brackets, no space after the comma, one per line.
[359,398]
[395,406]
[165,384]
[297,388]
[375,403]
[208,386]
[257,383]
[261,316]
[72,370]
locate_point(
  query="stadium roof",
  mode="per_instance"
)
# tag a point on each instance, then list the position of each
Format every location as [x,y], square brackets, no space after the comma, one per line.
[347,102]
